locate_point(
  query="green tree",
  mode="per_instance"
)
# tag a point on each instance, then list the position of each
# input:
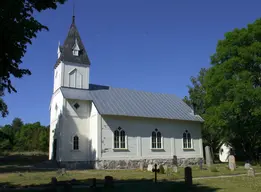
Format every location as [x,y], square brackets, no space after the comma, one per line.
[17,124]
[7,138]
[24,137]
[18,28]
[196,101]
[233,87]
[44,139]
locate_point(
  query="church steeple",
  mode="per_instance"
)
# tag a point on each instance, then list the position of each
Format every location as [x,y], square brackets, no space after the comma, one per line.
[73,50]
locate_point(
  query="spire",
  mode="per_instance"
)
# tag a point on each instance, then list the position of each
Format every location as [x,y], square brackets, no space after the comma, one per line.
[73,15]
[73,20]
[73,50]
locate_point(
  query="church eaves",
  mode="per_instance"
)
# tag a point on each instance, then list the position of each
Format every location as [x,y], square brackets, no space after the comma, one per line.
[67,48]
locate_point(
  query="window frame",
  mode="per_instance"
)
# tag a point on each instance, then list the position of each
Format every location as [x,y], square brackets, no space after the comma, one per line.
[187,141]
[119,130]
[74,143]
[161,140]
[71,73]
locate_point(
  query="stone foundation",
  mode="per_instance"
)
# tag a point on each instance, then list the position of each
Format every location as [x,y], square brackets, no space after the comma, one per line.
[136,164]
[126,164]
[77,164]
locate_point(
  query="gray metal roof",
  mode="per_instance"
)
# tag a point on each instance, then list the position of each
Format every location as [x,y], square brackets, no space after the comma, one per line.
[126,102]
[66,49]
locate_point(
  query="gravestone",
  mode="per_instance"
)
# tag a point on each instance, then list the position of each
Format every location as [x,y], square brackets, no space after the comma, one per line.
[175,164]
[61,172]
[175,160]
[231,162]
[247,166]
[166,167]
[53,184]
[175,169]
[209,159]
[150,167]
[201,164]
[251,172]
[188,176]
[108,181]
[93,183]
[53,181]
[141,166]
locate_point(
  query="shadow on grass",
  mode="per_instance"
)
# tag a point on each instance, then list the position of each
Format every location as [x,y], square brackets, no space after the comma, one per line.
[130,185]
[20,163]
[21,160]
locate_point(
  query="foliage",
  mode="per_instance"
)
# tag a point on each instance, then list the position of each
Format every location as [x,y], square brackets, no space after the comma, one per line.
[24,137]
[196,101]
[18,28]
[233,84]
[231,91]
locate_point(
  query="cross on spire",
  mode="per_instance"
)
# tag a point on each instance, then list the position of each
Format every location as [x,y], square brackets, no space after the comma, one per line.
[73,17]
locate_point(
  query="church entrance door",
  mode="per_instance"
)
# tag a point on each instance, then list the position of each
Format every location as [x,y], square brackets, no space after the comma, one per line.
[54,148]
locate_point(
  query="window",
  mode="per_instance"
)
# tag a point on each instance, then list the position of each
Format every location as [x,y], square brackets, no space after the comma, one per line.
[75,52]
[187,141]
[76,143]
[156,140]
[56,110]
[119,139]
[75,79]
[76,106]
[76,48]
[72,78]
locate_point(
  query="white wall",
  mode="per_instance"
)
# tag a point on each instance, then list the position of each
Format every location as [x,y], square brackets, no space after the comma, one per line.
[139,131]
[57,77]
[76,122]
[94,129]
[78,74]
[57,100]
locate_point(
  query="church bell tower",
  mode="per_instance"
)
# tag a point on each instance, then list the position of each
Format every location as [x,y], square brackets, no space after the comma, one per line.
[71,70]
[73,65]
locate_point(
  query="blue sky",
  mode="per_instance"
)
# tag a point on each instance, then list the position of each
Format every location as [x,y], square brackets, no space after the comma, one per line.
[146,45]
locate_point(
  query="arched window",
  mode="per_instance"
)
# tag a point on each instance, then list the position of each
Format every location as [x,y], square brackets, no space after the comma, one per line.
[76,143]
[119,139]
[156,140]
[187,141]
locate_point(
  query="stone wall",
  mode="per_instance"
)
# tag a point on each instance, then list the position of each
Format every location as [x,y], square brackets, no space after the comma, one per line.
[126,164]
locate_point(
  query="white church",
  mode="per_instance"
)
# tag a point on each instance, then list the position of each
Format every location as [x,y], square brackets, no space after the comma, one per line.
[102,127]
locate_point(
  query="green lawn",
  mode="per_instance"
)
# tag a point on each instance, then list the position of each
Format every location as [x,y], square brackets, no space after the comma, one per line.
[44,177]
[10,176]
[238,184]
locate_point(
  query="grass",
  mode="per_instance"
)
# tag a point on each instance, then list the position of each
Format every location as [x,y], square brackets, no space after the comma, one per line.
[44,177]
[10,176]
[238,184]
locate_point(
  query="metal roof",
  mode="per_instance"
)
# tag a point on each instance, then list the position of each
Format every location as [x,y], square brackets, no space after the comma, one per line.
[126,102]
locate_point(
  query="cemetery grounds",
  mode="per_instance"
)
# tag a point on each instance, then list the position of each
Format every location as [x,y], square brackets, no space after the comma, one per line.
[16,175]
